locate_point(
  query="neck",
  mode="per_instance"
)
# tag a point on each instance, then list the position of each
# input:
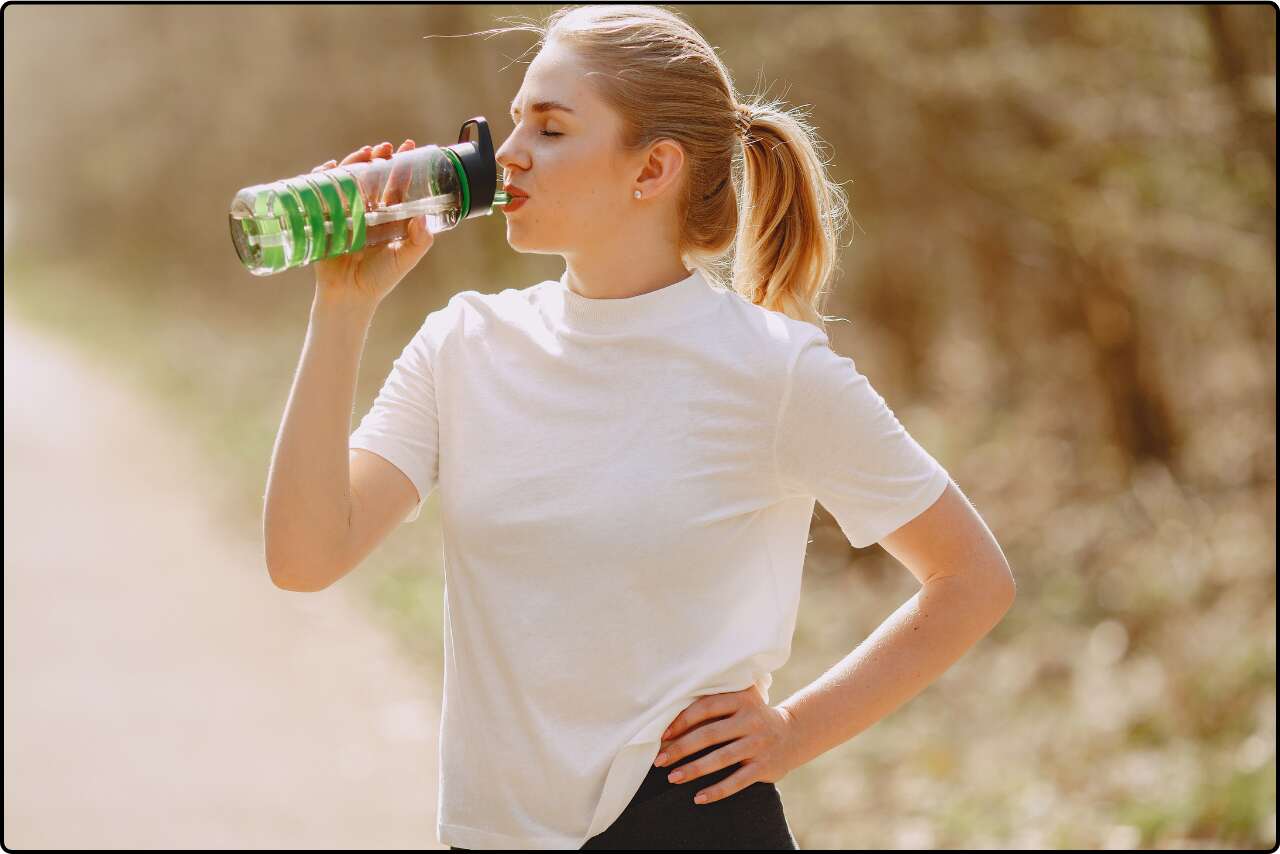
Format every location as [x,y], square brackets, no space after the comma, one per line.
[631,276]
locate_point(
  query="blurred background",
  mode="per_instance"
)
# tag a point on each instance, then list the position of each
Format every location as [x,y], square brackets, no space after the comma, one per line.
[1061,275]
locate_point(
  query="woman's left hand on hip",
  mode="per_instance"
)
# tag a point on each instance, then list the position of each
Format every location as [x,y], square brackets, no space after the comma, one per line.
[759,736]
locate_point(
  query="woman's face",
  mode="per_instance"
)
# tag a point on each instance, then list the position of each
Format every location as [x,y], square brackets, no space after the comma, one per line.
[568,163]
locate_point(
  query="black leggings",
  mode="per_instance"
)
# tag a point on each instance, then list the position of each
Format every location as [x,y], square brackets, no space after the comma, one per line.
[663,816]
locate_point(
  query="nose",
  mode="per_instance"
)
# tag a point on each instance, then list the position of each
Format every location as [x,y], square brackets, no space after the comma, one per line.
[505,159]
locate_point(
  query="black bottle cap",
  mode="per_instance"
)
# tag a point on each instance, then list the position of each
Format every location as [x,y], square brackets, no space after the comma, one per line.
[475,150]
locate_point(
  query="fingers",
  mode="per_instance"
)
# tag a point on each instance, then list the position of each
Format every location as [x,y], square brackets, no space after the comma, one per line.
[706,707]
[735,782]
[726,754]
[365,153]
[362,153]
[401,174]
[691,742]
[394,188]
[420,233]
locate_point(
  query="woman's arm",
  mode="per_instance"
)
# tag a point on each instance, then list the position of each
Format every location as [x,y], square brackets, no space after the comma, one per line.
[307,513]
[967,588]
[307,516]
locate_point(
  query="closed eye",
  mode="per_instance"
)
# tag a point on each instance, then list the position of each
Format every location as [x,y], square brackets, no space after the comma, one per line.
[549,133]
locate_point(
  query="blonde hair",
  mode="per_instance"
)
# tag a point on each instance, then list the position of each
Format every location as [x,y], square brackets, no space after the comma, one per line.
[785,234]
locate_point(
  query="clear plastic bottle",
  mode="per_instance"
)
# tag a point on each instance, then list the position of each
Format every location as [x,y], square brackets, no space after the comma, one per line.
[293,221]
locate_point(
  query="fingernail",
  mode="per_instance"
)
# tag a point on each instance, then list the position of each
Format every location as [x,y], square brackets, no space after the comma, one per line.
[675,776]
[700,799]
[662,757]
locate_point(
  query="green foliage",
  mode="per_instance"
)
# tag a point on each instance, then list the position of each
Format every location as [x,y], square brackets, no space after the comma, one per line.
[1062,278]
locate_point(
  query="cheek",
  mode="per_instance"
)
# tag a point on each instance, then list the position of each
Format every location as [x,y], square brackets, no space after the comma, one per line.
[580,167]
[578,194]
[576,184]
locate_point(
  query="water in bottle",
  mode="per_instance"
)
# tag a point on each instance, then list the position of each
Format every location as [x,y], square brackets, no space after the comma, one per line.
[294,221]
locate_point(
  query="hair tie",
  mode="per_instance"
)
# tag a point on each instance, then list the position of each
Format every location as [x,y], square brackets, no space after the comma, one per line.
[743,116]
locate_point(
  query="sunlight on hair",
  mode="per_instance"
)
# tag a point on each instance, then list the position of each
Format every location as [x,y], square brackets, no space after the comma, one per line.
[758,215]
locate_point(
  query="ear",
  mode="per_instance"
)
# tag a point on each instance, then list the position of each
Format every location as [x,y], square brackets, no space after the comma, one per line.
[663,166]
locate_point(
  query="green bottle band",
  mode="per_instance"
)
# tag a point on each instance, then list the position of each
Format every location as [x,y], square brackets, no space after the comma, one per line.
[315,217]
[300,203]
[272,256]
[355,203]
[293,220]
[462,182]
[328,190]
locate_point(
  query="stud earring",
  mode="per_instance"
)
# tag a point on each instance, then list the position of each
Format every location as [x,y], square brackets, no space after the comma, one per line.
[637,194]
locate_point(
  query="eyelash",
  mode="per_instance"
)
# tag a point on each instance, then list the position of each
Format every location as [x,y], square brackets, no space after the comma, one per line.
[547,132]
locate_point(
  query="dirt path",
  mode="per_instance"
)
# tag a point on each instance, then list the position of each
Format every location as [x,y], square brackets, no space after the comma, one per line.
[158,690]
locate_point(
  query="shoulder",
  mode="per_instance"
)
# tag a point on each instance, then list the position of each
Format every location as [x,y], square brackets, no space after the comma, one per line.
[472,311]
[780,337]
[510,303]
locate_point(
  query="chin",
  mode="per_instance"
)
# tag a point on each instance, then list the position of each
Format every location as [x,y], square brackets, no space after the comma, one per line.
[527,248]
[516,243]
[521,240]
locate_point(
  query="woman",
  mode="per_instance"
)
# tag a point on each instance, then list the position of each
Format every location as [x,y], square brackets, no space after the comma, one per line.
[628,460]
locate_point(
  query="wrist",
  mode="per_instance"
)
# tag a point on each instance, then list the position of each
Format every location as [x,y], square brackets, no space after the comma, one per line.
[799,750]
[337,304]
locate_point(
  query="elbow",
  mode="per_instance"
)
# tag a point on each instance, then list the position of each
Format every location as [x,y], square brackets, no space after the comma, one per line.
[287,572]
[1006,589]
[997,587]
[284,583]
[289,567]
[294,582]
[300,562]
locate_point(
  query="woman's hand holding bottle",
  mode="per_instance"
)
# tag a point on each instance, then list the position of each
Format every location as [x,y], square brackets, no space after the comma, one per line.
[371,273]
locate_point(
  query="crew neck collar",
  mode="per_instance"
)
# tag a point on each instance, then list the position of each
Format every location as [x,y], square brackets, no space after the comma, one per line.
[665,306]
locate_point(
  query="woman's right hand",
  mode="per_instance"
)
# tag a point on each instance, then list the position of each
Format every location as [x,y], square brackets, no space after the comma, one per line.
[371,273]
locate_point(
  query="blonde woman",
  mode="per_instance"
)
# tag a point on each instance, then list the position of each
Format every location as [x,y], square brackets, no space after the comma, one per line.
[628,459]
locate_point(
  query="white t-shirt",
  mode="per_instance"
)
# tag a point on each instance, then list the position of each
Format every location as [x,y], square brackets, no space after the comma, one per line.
[626,487]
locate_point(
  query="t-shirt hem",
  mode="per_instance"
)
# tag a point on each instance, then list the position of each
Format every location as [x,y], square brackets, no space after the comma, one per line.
[931,492]
[473,837]
[399,458]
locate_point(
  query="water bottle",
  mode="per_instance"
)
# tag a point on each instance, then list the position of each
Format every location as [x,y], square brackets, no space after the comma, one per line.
[291,222]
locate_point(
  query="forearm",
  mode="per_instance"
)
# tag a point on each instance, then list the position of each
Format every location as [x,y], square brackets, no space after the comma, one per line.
[907,652]
[308,501]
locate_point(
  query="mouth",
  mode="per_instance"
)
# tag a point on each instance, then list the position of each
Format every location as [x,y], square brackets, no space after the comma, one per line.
[516,203]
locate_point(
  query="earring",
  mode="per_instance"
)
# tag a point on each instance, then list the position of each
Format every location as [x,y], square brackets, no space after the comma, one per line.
[637,194]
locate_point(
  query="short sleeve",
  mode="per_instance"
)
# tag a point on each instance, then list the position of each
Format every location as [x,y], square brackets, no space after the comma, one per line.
[401,426]
[839,442]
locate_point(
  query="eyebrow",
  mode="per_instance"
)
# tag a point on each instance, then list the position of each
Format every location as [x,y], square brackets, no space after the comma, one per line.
[542,107]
